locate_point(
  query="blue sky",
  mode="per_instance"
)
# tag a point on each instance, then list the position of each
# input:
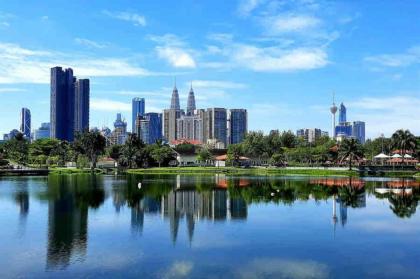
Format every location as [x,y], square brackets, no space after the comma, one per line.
[281,60]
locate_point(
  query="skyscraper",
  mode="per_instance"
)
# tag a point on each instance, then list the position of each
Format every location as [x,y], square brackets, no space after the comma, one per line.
[62,103]
[149,127]
[175,99]
[342,114]
[215,126]
[25,122]
[81,105]
[42,132]
[119,135]
[69,108]
[170,117]
[138,109]
[191,102]
[238,125]
[359,131]
[190,127]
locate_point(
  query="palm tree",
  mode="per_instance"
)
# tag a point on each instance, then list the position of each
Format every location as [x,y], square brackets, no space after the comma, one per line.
[350,149]
[404,141]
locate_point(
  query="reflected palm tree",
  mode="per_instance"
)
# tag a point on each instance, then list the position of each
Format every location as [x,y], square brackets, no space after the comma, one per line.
[403,206]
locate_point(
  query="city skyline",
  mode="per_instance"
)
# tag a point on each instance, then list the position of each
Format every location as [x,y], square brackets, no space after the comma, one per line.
[271,59]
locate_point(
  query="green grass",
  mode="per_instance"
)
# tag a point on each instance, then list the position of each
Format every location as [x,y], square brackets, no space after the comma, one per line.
[71,171]
[241,171]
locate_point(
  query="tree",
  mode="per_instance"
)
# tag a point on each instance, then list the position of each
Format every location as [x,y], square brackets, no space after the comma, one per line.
[160,154]
[404,141]
[254,145]
[16,149]
[277,159]
[92,144]
[288,139]
[204,155]
[60,153]
[234,154]
[350,150]
[131,150]
[115,152]
[273,143]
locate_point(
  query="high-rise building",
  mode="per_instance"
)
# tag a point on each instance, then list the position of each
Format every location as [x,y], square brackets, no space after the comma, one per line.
[119,135]
[191,102]
[190,127]
[215,124]
[68,109]
[175,99]
[237,125]
[342,114]
[309,135]
[170,117]
[42,132]
[359,131]
[138,109]
[149,127]
[25,122]
[62,104]
[81,105]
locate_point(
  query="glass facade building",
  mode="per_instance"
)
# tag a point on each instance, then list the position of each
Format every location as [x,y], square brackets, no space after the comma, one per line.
[149,127]
[42,132]
[69,108]
[359,131]
[342,114]
[25,122]
[238,125]
[138,109]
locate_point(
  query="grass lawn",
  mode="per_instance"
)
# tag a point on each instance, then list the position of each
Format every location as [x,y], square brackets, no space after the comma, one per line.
[242,171]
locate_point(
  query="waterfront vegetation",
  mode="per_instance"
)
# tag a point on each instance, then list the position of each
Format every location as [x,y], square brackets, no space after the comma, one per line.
[276,149]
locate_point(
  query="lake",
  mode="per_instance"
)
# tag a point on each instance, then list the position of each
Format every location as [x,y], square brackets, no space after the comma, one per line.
[211,226]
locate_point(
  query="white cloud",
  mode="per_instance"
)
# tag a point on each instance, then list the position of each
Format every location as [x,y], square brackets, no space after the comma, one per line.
[410,57]
[109,105]
[10,90]
[247,6]
[386,114]
[20,65]
[291,23]
[177,57]
[90,43]
[136,19]
[272,59]
[217,84]
[174,50]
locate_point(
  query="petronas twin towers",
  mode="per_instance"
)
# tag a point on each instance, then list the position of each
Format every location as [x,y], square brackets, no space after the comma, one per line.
[190,103]
[217,125]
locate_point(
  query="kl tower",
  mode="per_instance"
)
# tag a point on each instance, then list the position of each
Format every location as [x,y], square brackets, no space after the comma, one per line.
[333,110]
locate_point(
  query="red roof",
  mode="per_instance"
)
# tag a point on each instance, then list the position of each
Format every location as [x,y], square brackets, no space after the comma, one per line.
[224,158]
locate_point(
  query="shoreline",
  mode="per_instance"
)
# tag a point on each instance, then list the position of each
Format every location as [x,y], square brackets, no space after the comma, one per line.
[230,171]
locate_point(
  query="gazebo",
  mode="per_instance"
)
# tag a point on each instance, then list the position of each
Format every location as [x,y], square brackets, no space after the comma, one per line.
[381,157]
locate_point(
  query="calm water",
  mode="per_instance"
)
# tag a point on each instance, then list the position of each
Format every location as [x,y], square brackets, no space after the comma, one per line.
[208,227]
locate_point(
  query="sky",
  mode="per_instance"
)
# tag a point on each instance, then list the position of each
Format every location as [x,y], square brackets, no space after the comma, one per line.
[280,60]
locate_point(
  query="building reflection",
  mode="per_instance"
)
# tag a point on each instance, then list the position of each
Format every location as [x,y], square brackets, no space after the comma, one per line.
[69,199]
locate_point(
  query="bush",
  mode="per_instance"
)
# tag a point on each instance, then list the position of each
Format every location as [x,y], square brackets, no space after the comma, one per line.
[82,162]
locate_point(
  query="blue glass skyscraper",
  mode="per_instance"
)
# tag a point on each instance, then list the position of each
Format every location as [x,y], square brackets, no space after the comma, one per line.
[62,104]
[25,122]
[149,127]
[342,114]
[359,131]
[138,109]
[81,105]
[238,125]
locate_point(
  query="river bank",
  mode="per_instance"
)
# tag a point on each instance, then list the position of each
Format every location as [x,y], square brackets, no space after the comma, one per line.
[260,171]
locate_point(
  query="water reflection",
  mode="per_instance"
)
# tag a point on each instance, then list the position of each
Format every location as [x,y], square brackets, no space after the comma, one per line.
[188,200]
[69,198]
